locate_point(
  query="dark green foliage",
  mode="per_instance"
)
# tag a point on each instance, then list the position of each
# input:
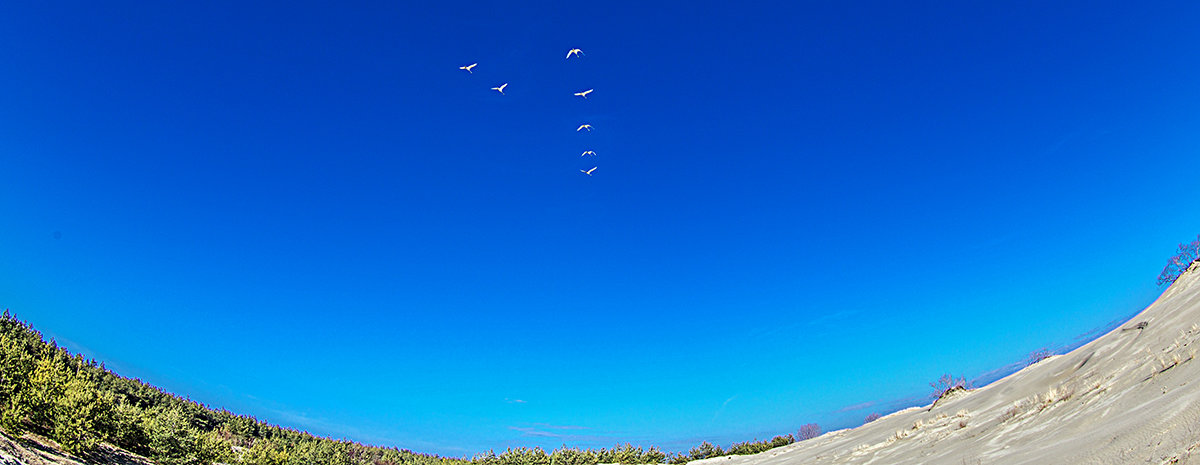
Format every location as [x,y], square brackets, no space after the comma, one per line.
[17,361]
[705,450]
[748,448]
[173,440]
[708,450]
[627,454]
[265,452]
[79,415]
[523,456]
[127,428]
[80,404]
[573,456]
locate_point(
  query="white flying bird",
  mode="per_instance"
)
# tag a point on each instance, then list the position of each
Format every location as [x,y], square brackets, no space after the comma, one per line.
[584,93]
[501,88]
[468,67]
[584,126]
[589,152]
[588,172]
[574,51]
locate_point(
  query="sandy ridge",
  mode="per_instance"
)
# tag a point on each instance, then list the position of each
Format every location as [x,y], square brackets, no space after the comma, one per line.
[1130,396]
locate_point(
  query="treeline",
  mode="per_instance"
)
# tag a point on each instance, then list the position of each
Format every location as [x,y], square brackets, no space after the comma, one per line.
[708,451]
[627,454]
[80,405]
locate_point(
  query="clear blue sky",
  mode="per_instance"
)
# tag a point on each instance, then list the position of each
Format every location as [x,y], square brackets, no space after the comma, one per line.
[802,210]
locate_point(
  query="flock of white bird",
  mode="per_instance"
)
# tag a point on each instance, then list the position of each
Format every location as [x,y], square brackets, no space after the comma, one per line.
[570,53]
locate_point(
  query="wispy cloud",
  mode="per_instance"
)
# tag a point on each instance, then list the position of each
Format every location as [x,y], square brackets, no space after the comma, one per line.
[326,428]
[546,429]
[532,431]
[562,432]
[858,406]
[514,401]
[549,426]
[722,407]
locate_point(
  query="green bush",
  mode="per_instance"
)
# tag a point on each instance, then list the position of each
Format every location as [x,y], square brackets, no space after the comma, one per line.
[705,450]
[265,452]
[572,456]
[78,416]
[128,428]
[80,404]
[16,369]
[748,448]
[172,439]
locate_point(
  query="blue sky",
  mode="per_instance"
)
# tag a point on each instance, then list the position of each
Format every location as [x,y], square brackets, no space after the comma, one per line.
[801,211]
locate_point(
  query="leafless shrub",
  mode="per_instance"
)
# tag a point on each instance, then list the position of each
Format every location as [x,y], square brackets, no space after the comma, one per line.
[948,384]
[1037,356]
[1179,263]
[808,431]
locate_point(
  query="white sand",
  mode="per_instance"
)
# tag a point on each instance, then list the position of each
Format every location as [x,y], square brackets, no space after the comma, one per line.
[1130,396]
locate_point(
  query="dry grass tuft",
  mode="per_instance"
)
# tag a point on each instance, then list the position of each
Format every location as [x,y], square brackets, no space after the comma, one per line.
[1175,354]
[1038,402]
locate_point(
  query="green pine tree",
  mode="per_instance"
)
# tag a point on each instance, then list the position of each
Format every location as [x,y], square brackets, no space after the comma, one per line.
[16,369]
[78,415]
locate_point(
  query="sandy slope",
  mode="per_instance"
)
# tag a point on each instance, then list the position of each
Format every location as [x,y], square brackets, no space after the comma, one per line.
[1130,396]
[32,449]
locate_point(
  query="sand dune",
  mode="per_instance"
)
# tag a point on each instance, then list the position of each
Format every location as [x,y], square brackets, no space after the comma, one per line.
[1130,396]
